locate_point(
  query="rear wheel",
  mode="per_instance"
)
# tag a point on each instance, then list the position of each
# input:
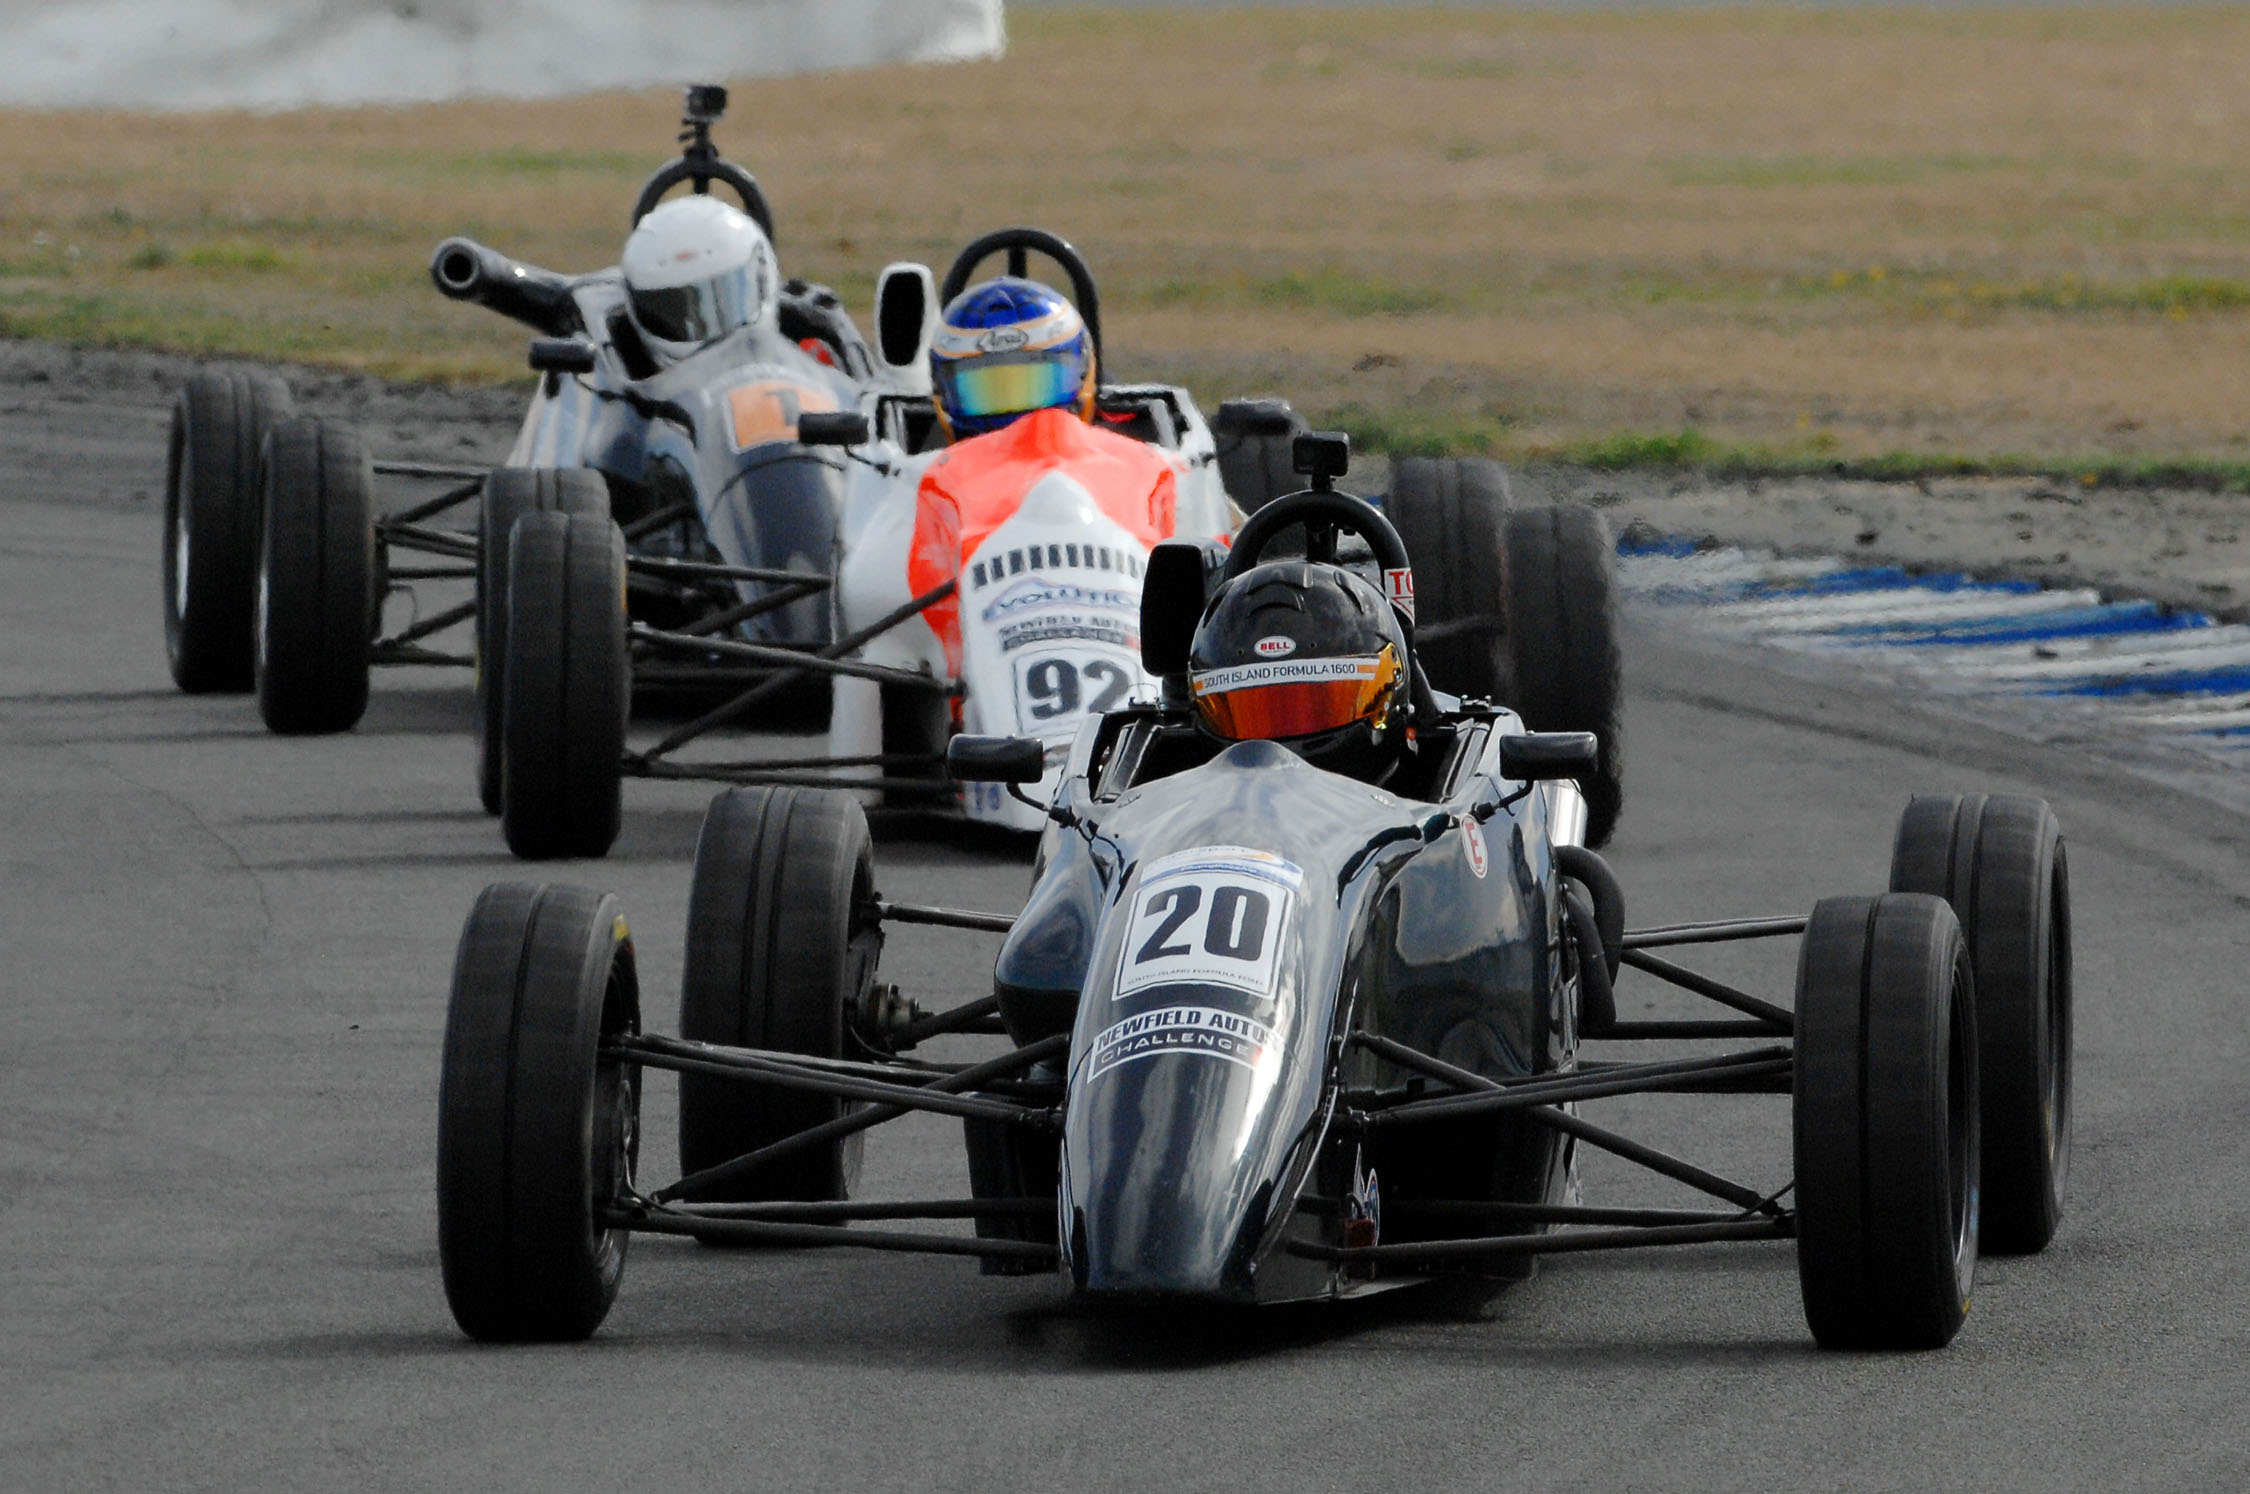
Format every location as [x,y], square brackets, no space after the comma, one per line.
[509,494]
[537,1136]
[1999,861]
[781,948]
[211,526]
[1255,440]
[316,595]
[1451,514]
[563,718]
[1565,674]
[1885,1126]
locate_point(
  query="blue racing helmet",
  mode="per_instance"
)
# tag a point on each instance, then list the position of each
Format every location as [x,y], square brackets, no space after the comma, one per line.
[1005,348]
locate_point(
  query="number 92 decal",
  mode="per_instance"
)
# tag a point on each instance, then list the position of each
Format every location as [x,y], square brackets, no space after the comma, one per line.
[1217,916]
[1056,687]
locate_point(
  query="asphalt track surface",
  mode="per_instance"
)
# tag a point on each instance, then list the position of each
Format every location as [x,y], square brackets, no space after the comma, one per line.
[228,957]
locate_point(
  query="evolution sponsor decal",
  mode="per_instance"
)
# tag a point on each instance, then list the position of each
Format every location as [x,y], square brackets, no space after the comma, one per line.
[1472,845]
[1036,592]
[1197,1031]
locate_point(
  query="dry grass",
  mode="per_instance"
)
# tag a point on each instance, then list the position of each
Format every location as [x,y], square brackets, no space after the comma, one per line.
[1974,232]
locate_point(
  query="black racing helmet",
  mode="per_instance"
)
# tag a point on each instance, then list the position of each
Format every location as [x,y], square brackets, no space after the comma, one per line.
[1307,655]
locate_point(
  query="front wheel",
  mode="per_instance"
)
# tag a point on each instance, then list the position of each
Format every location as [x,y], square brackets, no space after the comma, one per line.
[781,949]
[1999,861]
[509,494]
[316,605]
[563,722]
[537,1133]
[211,526]
[1885,1123]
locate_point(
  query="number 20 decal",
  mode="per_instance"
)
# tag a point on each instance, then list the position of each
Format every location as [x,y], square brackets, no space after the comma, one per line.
[1205,928]
[1057,686]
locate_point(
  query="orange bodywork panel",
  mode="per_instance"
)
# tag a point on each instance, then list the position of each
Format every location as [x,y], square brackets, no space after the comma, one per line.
[980,483]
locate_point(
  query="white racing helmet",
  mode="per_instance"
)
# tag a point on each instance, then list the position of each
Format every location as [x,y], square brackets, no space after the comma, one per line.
[695,270]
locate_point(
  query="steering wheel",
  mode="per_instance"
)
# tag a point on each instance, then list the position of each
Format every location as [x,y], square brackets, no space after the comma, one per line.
[1020,244]
[703,170]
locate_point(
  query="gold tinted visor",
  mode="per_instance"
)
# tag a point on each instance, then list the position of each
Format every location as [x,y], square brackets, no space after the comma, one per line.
[1296,697]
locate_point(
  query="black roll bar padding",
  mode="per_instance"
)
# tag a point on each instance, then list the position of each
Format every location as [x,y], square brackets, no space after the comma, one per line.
[1597,1007]
[1016,241]
[1588,869]
[1309,508]
[464,270]
[702,170]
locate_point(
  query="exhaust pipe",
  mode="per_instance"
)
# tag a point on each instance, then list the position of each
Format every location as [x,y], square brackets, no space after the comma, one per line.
[464,270]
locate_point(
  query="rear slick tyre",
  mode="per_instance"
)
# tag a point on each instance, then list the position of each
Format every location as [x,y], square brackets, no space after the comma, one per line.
[1256,445]
[563,719]
[1564,665]
[536,1135]
[1999,861]
[509,494]
[1885,1123]
[782,943]
[212,520]
[1451,515]
[316,601]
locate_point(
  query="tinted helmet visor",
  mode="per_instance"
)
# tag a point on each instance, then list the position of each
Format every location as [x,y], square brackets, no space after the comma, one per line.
[700,312]
[1296,698]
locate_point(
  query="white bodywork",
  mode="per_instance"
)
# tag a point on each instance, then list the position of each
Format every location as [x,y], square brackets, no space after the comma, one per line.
[1042,645]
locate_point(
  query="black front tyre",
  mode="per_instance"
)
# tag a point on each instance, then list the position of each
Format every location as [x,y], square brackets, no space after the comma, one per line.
[509,494]
[536,1135]
[1999,861]
[1565,669]
[316,601]
[211,526]
[1885,1123]
[782,946]
[563,720]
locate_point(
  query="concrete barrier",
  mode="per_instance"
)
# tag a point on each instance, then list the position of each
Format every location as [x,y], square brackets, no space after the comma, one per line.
[282,54]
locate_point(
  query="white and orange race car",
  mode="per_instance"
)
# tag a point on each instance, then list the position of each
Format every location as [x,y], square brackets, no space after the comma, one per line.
[1008,565]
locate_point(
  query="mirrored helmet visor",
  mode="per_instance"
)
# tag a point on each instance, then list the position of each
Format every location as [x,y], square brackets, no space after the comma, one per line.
[991,387]
[700,312]
[1296,699]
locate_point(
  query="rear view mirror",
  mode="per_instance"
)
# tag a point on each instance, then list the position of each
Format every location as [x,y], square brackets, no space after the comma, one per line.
[1541,755]
[1171,604]
[906,313]
[995,759]
[561,355]
[832,428]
